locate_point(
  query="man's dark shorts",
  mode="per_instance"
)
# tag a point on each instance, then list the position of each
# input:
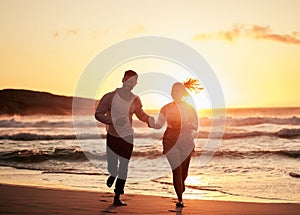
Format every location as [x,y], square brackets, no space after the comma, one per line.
[121,146]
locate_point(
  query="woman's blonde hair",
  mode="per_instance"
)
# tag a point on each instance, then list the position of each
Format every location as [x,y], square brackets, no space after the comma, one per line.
[179,90]
[193,85]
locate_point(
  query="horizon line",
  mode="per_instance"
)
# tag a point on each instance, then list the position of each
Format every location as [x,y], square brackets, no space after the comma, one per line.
[155,109]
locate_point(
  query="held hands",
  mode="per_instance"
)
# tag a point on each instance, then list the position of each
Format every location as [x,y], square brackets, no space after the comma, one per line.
[151,122]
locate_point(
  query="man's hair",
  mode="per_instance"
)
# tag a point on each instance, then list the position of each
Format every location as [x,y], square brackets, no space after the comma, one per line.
[130,73]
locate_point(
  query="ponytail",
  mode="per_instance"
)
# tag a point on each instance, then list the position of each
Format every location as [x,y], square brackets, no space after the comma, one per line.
[193,85]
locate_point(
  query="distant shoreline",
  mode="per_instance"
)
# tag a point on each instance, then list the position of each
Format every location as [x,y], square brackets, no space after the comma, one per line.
[28,102]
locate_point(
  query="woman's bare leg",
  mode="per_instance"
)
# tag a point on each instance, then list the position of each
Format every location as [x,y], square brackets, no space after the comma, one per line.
[184,169]
[177,182]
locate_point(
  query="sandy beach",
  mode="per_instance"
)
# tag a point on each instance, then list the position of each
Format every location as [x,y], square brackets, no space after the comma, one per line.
[15,199]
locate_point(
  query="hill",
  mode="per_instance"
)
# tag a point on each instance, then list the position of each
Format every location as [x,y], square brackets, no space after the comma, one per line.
[27,102]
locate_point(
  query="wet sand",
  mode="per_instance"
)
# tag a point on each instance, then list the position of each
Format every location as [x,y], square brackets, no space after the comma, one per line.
[15,199]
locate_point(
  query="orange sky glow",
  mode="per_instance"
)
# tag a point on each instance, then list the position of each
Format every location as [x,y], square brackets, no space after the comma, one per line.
[252,46]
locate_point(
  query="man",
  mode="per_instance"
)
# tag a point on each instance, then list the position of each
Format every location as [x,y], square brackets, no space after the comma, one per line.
[116,109]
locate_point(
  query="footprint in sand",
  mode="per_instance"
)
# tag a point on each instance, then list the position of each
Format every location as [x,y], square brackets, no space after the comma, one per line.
[111,212]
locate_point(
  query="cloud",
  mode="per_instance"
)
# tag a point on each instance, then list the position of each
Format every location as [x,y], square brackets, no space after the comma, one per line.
[69,32]
[256,32]
[55,34]
[72,31]
[131,31]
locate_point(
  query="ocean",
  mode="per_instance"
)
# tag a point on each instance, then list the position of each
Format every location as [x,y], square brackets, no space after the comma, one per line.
[258,159]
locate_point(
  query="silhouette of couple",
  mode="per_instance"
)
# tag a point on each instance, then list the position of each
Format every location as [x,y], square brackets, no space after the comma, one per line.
[116,109]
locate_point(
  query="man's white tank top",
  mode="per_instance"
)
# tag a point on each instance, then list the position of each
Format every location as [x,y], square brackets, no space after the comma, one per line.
[120,111]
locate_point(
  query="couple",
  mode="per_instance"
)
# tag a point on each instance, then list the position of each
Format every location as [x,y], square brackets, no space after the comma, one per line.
[116,109]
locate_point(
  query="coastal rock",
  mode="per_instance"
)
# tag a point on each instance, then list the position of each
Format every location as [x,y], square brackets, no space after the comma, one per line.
[27,102]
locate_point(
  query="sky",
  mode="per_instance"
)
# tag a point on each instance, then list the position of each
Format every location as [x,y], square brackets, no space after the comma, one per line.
[253,46]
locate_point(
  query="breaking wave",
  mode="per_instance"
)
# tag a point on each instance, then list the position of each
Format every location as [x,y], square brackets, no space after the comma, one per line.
[77,155]
[35,155]
[262,120]
[61,123]
[32,136]
[90,122]
[283,133]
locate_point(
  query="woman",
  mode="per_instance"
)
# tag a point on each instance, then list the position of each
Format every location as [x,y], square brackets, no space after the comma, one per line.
[178,143]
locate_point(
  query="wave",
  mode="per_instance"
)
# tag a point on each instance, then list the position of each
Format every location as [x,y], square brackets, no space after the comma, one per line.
[74,173]
[292,133]
[288,133]
[30,136]
[293,154]
[211,189]
[78,155]
[13,123]
[247,121]
[60,154]
[283,133]
[253,154]
[87,122]
[295,175]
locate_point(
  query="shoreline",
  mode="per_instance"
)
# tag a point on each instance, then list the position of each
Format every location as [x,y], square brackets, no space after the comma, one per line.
[36,179]
[19,199]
